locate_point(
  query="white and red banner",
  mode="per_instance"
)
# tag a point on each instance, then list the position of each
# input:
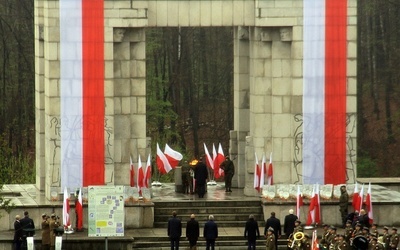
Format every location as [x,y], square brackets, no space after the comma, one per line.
[209,159]
[131,173]
[360,199]
[368,204]
[140,176]
[79,211]
[163,164]
[314,241]
[324,91]
[82,92]
[66,208]
[263,171]
[270,172]
[299,201]
[356,198]
[218,172]
[257,174]
[174,157]
[147,173]
[314,211]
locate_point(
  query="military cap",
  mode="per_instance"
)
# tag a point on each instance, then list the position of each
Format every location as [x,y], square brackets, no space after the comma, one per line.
[53,215]
[339,235]
[44,215]
[366,228]
[386,228]
[393,228]
[270,229]
[374,225]
[358,225]
[348,222]
[325,225]
[332,228]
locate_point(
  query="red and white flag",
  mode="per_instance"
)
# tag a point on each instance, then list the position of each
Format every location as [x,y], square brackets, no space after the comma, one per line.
[368,203]
[65,213]
[361,198]
[82,108]
[257,174]
[324,91]
[314,211]
[174,157]
[216,166]
[270,180]
[147,173]
[314,241]
[356,199]
[209,160]
[79,211]
[162,162]
[263,171]
[131,173]
[140,177]
[299,201]
[218,172]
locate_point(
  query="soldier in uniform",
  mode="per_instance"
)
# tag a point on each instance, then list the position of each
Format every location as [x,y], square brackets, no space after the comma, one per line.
[348,233]
[374,230]
[45,232]
[386,238]
[297,228]
[53,225]
[365,232]
[343,204]
[375,245]
[341,243]
[270,242]
[324,239]
[332,238]
[306,242]
[394,239]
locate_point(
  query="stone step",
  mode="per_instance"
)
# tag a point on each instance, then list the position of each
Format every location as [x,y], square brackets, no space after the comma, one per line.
[204,217]
[220,223]
[208,210]
[214,203]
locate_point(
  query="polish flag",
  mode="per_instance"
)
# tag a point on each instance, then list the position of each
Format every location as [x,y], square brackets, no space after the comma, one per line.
[82,108]
[216,166]
[162,162]
[314,241]
[270,172]
[356,196]
[324,91]
[79,210]
[132,173]
[218,172]
[147,173]
[368,203]
[299,201]
[140,177]
[263,171]
[314,211]
[65,213]
[174,157]
[209,160]
[257,174]
[360,198]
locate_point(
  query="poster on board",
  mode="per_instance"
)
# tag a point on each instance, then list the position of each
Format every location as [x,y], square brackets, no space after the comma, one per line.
[106,211]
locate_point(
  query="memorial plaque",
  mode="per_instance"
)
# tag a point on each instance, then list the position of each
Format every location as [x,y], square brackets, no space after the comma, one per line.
[325,191]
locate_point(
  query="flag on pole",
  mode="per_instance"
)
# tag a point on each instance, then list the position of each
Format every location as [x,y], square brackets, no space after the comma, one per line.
[209,160]
[257,174]
[263,171]
[314,209]
[270,180]
[216,166]
[174,157]
[360,198]
[368,203]
[131,173]
[314,244]
[299,201]
[147,173]
[82,99]
[79,211]
[356,197]
[66,220]
[162,162]
[324,91]
[140,177]
[218,172]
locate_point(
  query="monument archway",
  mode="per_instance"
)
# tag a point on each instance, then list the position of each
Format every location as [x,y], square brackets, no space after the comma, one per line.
[272,62]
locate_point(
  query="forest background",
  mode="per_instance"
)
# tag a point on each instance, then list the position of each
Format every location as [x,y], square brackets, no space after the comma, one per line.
[190,89]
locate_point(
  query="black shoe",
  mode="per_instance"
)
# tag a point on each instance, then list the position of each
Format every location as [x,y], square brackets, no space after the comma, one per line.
[230,191]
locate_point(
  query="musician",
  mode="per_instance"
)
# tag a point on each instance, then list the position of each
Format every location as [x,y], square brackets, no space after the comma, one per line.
[297,228]
[394,239]
[323,242]
[341,243]
[270,242]
[306,242]
[374,230]
[332,238]
[348,233]
[365,232]
[386,238]
[54,223]
[375,244]
[357,230]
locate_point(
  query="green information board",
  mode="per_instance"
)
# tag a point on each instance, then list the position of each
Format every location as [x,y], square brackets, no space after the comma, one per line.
[106,211]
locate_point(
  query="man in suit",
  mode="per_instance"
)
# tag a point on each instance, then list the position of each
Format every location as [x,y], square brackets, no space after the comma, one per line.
[174,231]
[251,232]
[192,232]
[201,175]
[210,232]
[288,225]
[275,224]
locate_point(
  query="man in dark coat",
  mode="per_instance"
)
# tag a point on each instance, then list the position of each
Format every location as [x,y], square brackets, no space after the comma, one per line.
[201,175]
[343,205]
[229,172]
[192,232]
[17,233]
[251,232]
[275,224]
[210,232]
[174,231]
[288,225]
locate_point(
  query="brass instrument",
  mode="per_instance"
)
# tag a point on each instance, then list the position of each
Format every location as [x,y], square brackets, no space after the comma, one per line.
[297,237]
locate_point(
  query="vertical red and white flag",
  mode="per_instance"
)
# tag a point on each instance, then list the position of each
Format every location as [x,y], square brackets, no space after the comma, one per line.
[356,196]
[314,241]
[162,162]
[147,173]
[216,166]
[263,171]
[299,201]
[368,203]
[257,174]
[140,175]
[360,199]
[220,158]
[79,211]
[209,160]
[82,108]
[174,157]
[270,174]
[314,211]
[324,91]
[66,208]
[131,173]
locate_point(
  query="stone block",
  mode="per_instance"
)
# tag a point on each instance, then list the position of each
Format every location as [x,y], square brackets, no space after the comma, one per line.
[122,126]
[266,4]
[351,86]
[205,13]
[141,105]
[122,49]
[216,13]
[109,106]
[172,13]
[126,105]
[281,50]
[297,50]
[276,21]
[138,87]
[138,125]
[122,87]
[281,126]
[281,86]
[262,50]
[262,86]
[52,69]
[138,68]
[138,50]
[297,86]
[296,105]
[351,104]
[248,13]
[121,4]
[112,13]
[238,7]
[183,7]
[296,68]
[286,104]
[241,65]
[352,33]
[227,13]
[194,13]
[352,49]
[351,67]
[261,127]
[277,104]
[108,50]
[117,105]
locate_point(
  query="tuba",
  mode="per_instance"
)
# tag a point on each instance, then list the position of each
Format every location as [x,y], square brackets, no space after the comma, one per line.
[297,238]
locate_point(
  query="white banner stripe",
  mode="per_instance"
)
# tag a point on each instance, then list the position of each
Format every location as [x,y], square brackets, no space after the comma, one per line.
[71,93]
[313,91]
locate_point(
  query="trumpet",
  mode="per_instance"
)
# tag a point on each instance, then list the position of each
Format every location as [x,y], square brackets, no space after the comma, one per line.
[299,236]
